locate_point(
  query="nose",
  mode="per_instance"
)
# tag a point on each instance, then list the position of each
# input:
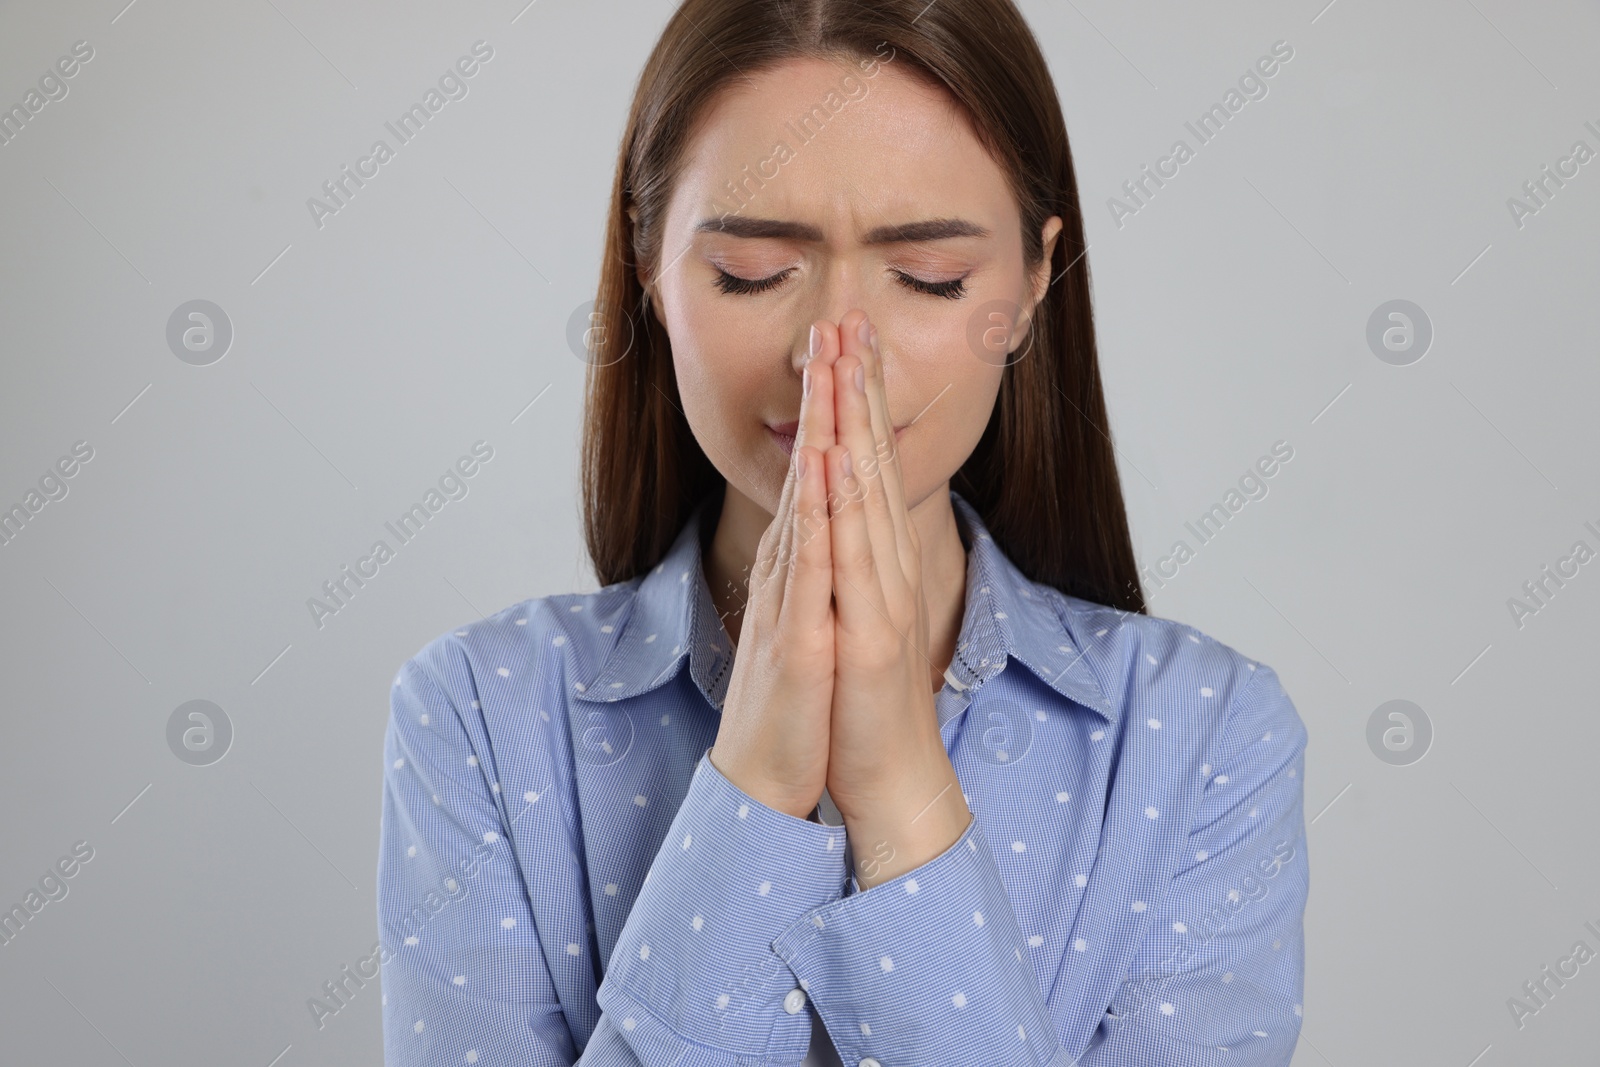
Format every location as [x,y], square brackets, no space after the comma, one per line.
[839,298]
[844,327]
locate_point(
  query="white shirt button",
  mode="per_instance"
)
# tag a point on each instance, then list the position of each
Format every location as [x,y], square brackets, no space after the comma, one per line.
[794,1000]
[869,1062]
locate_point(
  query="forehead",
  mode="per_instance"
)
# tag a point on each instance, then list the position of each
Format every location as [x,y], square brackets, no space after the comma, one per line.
[826,142]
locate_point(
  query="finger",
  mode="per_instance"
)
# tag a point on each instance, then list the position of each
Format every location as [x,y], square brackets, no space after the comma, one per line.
[855,571]
[810,581]
[777,556]
[816,412]
[816,408]
[765,597]
[889,458]
[814,424]
[769,559]
[855,430]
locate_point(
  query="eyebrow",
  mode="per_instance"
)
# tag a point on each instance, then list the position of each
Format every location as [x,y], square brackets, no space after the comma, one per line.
[902,233]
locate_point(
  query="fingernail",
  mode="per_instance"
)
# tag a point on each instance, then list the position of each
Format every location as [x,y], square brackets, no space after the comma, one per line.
[800,464]
[815,344]
[861,331]
[872,338]
[844,461]
[861,378]
[805,382]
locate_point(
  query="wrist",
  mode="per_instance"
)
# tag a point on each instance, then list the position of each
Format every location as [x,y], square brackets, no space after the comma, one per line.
[754,787]
[885,844]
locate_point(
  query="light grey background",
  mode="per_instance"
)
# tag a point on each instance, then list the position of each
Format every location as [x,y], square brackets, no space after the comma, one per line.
[431,312]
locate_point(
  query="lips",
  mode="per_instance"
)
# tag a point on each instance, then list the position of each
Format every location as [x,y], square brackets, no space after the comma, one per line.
[785,440]
[783,434]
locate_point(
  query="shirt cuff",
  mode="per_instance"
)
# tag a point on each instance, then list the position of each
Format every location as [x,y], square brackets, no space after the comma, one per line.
[695,958]
[926,967]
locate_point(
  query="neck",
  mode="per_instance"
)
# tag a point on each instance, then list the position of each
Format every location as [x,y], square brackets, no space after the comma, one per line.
[739,526]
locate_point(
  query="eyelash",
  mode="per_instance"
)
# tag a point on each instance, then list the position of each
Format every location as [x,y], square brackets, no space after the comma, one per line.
[731,284]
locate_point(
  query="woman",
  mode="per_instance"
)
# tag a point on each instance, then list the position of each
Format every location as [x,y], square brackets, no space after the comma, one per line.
[867,750]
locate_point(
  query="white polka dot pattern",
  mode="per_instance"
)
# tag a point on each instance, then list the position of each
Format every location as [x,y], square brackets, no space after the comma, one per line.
[563,871]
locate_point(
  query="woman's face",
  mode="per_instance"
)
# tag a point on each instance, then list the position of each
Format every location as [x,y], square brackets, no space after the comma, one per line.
[824,225]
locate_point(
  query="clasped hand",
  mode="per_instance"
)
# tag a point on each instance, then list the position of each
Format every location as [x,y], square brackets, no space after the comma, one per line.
[830,685]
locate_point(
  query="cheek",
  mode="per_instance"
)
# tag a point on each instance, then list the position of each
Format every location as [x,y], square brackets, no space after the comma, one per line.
[955,392]
[699,347]
[718,382]
[934,359]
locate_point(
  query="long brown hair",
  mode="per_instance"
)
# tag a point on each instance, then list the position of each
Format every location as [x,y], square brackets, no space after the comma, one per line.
[1043,476]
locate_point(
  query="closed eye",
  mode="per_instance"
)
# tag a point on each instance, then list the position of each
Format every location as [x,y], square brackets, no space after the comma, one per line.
[954,289]
[732,284]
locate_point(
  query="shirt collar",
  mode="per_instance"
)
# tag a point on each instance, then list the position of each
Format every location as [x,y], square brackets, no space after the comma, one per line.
[1006,616]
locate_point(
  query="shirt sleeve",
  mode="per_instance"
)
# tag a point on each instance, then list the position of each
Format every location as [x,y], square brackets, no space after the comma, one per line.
[930,966]
[927,967]
[464,976]
[693,981]
[1220,978]
[694,973]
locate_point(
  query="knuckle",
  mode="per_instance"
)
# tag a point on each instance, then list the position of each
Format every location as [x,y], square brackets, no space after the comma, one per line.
[812,522]
[796,657]
[853,490]
[873,654]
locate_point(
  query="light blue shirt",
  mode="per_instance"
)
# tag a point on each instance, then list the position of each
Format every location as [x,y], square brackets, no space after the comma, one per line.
[562,869]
